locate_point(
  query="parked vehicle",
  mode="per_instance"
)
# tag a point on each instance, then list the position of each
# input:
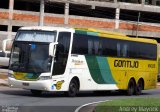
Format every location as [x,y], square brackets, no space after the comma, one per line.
[4,54]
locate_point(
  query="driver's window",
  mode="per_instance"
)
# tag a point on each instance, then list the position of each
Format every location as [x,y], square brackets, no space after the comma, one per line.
[62,53]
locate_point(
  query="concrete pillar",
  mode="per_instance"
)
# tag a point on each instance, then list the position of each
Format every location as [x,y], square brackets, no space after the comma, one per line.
[66,15]
[154,2]
[11,7]
[143,2]
[117,18]
[137,30]
[41,15]
[93,7]
[115,1]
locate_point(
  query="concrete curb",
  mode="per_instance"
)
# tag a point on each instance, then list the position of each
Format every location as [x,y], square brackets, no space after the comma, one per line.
[89,107]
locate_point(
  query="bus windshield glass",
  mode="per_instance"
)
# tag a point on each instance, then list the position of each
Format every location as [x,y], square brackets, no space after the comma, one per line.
[36,36]
[30,57]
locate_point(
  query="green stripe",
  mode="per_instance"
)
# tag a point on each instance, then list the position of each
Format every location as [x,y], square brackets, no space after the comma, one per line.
[105,70]
[94,69]
[81,32]
[92,33]
[86,33]
[100,70]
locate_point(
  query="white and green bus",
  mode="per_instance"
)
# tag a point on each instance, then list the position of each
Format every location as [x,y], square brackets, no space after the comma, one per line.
[77,59]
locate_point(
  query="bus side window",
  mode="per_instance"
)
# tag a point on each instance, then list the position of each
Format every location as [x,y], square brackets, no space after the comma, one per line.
[124,50]
[94,45]
[118,49]
[80,44]
[62,53]
[90,46]
[109,47]
[100,48]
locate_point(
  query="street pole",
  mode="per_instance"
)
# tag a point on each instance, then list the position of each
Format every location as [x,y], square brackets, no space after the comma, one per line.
[139,14]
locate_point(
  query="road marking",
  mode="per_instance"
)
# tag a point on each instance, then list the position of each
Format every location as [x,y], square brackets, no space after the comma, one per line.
[80,107]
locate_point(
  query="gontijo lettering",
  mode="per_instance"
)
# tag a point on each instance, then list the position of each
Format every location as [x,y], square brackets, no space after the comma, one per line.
[126,64]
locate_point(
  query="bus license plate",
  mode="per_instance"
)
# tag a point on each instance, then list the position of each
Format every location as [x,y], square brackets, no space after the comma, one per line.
[25,84]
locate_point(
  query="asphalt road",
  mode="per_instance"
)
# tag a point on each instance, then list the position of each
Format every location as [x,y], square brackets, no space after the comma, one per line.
[24,101]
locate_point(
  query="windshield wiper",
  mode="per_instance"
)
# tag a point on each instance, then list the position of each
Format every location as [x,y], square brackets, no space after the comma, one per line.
[16,65]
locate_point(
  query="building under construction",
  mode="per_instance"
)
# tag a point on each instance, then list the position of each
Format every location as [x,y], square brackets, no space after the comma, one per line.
[131,17]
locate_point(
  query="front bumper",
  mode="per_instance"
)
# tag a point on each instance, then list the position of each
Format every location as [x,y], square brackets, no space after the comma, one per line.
[45,85]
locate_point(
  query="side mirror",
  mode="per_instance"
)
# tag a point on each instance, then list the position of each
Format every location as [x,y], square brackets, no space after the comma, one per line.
[4,44]
[51,48]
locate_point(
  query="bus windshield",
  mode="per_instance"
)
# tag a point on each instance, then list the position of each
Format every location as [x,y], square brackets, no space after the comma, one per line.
[30,57]
[30,52]
[36,36]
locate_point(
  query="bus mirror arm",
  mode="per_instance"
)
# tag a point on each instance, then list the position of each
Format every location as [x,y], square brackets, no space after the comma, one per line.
[52,47]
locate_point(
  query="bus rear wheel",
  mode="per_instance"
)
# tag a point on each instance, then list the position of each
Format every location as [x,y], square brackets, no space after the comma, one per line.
[73,89]
[139,88]
[36,92]
[131,88]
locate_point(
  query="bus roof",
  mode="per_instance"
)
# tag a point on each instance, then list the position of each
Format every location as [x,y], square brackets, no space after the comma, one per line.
[99,31]
[90,31]
[47,28]
[102,33]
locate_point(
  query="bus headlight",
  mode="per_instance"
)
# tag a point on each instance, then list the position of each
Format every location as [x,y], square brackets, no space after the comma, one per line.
[45,77]
[10,75]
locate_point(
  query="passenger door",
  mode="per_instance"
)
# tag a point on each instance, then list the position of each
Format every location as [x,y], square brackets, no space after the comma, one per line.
[62,51]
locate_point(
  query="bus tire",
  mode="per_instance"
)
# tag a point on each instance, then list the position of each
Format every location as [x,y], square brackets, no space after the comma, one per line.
[131,88]
[36,92]
[139,87]
[73,89]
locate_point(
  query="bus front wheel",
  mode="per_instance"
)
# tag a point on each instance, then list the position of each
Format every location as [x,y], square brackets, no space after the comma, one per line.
[36,92]
[131,88]
[73,89]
